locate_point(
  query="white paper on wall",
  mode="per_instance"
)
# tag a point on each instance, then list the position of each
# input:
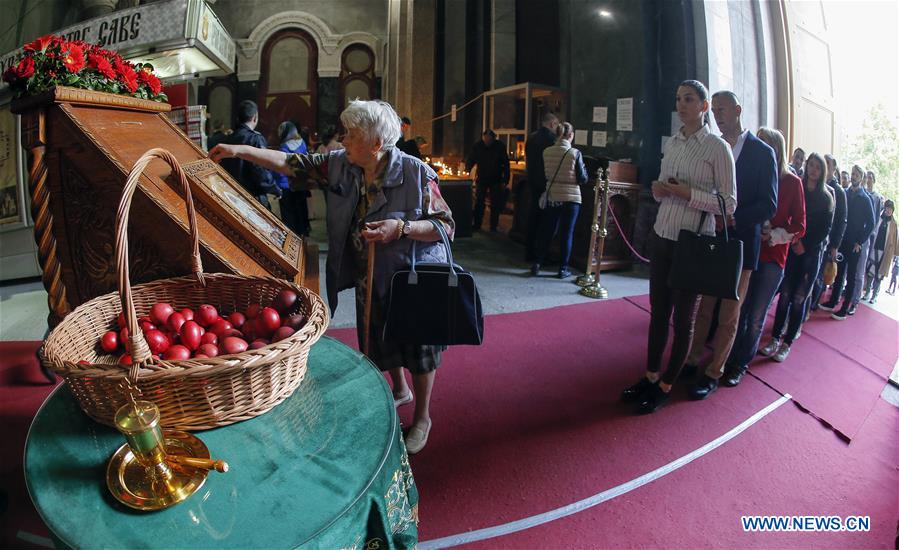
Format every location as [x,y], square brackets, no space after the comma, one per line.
[580,137]
[625,114]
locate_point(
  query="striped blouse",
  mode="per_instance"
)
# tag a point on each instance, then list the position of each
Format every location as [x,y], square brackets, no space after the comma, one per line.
[705,162]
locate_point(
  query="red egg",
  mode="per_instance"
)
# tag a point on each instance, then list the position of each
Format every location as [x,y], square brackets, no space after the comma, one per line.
[209,338]
[121,320]
[232,344]
[176,353]
[237,319]
[285,301]
[220,326]
[191,333]
[125,359]
[158,341]
[200,356]
[269,321]
[146,325]
[174,322]
[188,314]
[209,350]
[295,321]
[259,344]
[110,341]
[160,312]
[282,333]
[123,339]
[253,311]
[206,315]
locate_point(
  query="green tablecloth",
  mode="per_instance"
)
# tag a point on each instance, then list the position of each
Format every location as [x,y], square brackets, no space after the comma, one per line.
[325,468]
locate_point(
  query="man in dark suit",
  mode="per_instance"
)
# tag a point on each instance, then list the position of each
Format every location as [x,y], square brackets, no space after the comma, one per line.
[536,182]
[489,155]
[253,177]
[756,169]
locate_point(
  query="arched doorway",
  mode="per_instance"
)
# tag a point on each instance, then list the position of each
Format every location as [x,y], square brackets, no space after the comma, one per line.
[289,82]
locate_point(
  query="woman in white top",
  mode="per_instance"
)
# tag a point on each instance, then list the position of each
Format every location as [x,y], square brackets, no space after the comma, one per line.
[696,167]
[565,171]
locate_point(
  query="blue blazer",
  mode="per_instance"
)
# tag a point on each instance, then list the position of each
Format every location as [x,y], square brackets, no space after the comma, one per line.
[756,196]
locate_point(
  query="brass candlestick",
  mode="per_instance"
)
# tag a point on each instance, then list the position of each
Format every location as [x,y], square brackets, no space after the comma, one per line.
[155,469]
[590,280]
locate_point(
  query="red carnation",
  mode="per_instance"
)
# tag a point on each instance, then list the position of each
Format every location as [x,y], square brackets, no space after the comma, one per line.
[72,57]
[41,44]
[127,76]
[101,65]
[148,78]
[25,68]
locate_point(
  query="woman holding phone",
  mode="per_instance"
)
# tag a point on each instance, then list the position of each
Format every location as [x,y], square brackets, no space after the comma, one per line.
[697,167]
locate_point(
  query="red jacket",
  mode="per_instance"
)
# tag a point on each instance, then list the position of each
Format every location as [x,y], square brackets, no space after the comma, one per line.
[790,215]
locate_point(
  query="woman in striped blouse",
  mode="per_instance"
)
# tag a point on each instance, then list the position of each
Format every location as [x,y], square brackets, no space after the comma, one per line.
[697,166]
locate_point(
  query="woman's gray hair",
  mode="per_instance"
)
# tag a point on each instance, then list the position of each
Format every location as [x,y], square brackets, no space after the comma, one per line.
[375,119]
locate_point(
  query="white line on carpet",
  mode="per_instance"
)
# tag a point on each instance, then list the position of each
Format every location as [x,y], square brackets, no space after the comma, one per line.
[599,498]
[35,539]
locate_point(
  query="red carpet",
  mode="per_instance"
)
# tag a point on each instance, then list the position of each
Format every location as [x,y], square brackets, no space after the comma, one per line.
[523,425]
[22,390]
[837,369]
[530,421]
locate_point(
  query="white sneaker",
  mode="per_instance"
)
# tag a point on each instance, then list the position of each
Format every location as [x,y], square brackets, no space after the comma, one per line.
[782,353]
[417,438]
[771,348]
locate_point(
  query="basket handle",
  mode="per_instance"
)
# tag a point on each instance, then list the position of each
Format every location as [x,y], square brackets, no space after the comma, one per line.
[140,351]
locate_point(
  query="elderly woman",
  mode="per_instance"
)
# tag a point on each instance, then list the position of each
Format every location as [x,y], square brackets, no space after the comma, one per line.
[376,194]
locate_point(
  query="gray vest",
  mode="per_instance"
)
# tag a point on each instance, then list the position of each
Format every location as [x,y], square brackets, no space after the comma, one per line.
[405,180]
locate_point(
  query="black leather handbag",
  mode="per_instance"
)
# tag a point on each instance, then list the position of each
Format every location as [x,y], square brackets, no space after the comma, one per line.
[434,303]
[707,265]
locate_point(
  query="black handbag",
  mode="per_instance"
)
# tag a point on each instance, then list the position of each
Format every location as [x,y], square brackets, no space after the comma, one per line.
[434,303]
[707,265]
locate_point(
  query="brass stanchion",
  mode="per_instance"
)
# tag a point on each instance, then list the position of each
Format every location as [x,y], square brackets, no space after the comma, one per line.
[590,280]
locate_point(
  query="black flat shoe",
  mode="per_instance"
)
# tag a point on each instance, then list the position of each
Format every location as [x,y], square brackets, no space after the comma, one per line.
[653,400]
[635,392]
[704,387]
[732,376]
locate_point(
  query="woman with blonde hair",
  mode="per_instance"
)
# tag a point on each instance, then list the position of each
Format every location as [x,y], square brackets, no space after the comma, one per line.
[787,225]
[565,172]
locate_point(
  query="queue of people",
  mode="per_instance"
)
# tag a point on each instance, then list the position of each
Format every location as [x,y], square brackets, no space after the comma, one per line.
[793,217]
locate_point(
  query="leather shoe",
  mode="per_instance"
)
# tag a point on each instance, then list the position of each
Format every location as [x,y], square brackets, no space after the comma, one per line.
[564,273]
[704,387]
[733,375]
[653,400]
[635,392]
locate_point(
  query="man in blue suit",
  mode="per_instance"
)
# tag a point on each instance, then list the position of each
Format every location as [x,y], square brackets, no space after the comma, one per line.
[757,179]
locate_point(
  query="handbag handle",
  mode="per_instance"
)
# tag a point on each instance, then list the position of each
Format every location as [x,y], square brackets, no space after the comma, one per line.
[723,215]
[453,279]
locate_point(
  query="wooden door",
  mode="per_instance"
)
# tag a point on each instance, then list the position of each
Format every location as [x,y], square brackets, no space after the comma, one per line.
[812,98]
[288,84]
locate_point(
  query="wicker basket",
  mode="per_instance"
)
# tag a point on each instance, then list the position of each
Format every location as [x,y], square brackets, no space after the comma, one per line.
[195,394]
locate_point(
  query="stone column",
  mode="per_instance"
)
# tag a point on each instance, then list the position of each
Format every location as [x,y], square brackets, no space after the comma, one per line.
[502,48]
[409,82]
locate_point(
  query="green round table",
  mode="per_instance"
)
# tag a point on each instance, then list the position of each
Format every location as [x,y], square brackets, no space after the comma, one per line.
[325,468]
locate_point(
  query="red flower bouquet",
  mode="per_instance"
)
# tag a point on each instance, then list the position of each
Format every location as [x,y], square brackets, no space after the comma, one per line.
[53,61]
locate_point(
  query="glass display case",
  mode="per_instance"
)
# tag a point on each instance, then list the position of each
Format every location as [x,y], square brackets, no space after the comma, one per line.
[515,111]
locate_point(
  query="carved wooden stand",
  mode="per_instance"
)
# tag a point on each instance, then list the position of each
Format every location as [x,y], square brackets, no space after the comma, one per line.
[81,145]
